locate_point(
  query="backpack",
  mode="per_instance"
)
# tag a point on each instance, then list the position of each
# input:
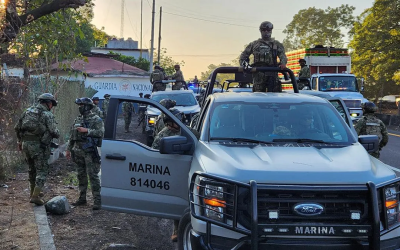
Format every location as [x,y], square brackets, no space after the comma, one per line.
[31,121]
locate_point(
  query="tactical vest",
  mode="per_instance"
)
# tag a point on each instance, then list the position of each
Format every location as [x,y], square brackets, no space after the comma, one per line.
[157,76]
[265,54]
[373,127]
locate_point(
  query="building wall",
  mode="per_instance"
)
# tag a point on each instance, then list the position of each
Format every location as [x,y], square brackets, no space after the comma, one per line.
[122,85]
[125,52]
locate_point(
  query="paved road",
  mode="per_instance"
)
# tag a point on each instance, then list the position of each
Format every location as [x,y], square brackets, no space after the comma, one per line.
[391,153]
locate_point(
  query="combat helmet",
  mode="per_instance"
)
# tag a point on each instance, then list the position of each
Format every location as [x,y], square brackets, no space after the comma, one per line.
[168,103]
[266,25]
[95,98]
[302,60]
[107,95]
[47,97]
[87,104]
[369,107]
[157,67]
[176,113]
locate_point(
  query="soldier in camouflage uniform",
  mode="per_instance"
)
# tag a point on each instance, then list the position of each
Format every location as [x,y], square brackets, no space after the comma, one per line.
[86,135]
[96,110]
[178,77]
[304,72]
[159,123]
[156,78]
[35,130]
[170,129]
[127,109]
[265,51]
[369,124]
[105,105]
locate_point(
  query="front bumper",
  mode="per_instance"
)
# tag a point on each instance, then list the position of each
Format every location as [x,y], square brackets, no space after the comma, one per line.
[297,232]
[198,242]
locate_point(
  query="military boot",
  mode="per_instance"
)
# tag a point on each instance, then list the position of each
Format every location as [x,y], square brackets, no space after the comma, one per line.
[81,200]
[35,197]
[32,187]
[97,204]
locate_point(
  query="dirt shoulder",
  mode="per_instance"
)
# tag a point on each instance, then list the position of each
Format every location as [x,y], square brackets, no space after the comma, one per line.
[82,228]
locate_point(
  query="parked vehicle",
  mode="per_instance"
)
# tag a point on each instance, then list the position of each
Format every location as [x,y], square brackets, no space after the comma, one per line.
[388,102]
[331,72]
[185,102]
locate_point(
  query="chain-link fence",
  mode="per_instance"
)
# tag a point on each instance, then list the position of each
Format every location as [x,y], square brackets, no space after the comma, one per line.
[16,96]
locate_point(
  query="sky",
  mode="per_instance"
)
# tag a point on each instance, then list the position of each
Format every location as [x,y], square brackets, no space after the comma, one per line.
[204,32]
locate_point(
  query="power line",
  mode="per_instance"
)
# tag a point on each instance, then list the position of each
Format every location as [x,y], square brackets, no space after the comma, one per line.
[148,3]
[129,17]
[194,13]
[212,21]
[213,55]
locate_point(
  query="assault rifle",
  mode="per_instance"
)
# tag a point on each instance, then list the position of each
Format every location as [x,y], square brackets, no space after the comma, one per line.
[92,144]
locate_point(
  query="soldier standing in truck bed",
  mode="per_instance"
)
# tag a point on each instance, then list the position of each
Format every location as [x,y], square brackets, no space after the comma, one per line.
[265,51]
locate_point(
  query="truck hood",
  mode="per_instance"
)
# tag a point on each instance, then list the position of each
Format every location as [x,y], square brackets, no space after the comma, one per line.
[347,95]
[293,165]
[184,109]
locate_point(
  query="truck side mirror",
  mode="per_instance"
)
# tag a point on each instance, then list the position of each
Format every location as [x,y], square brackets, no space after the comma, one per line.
[370,142]
[361,84]
[175,145]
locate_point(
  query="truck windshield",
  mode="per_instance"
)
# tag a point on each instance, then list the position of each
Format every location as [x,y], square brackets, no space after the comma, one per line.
[182,99]
[279,122]
[338,83]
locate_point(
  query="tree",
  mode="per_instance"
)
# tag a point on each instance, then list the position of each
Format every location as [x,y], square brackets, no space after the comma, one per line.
[167,62]
[376,48]
[31,11]
[221,78]
[90,37]
[314,26]
[140,63]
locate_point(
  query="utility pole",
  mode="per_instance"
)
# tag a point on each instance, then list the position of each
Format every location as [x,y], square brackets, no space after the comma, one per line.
[159,38]
[152,36]
[141,27]
[121,33]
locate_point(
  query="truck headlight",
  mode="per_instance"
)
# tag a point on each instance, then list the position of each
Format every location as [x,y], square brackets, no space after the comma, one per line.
[152,120]
[211,199]
[392,205]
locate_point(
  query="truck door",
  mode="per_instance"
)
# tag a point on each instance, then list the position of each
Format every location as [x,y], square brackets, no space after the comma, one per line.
[340,106]
[136,178]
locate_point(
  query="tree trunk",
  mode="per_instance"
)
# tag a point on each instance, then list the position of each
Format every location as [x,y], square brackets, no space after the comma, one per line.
[15,22]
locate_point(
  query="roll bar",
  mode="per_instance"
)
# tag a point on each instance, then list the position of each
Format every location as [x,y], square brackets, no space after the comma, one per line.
[287,73]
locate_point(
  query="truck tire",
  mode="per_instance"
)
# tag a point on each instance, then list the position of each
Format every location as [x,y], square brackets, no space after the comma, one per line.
[185,225]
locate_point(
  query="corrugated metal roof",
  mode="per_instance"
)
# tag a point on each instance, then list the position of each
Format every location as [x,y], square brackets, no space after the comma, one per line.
[103,66]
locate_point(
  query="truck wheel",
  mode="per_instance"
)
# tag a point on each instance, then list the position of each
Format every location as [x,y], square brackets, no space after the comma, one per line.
[185,225]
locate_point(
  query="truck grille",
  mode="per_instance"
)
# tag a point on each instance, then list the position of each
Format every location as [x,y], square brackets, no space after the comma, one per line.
[337,206]
[353,103]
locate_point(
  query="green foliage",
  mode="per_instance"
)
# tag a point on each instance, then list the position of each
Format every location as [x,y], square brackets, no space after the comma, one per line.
[71,179]
[314,26]
[376,48]
[166,62]
[140,63]
[220,77]
[90,36]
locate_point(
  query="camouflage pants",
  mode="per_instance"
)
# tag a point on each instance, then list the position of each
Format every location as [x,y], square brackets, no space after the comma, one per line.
[266,82]
[158,86]
[128,120]
[177,86]
[375,154]
[300,85]
[37,159]
[86,167]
